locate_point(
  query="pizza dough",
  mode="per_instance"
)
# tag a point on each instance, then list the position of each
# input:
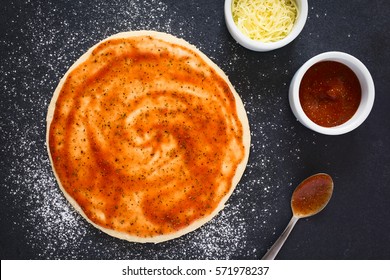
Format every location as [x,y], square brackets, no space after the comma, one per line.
[146,136]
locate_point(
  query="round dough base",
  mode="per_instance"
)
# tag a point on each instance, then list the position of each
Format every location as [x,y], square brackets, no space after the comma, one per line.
[240,112]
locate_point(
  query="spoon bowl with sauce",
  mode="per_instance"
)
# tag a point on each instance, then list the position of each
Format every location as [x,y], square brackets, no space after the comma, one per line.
[309,198]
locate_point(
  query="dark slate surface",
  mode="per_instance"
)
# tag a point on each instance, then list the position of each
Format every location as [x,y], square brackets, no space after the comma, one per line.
[39,40]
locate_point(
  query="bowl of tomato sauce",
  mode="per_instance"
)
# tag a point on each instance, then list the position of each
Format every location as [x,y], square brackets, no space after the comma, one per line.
[332,93]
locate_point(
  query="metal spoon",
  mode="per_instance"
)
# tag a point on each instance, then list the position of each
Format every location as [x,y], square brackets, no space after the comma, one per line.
[309,198]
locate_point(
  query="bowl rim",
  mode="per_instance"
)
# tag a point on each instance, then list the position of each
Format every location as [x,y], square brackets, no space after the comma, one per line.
[261,46]
[366,83]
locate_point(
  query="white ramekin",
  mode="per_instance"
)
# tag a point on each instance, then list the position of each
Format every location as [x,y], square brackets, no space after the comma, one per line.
[367,98]
[260,46]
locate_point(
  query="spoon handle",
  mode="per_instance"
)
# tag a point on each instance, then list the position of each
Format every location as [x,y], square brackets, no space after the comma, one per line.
[274,250]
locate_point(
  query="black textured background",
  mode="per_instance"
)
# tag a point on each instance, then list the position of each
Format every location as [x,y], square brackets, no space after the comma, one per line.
[40,39]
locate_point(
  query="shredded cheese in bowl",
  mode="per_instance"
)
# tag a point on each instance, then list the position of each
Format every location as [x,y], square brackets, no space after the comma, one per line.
[265,20]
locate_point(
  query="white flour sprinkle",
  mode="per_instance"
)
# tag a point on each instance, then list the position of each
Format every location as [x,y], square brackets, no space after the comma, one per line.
[40,53]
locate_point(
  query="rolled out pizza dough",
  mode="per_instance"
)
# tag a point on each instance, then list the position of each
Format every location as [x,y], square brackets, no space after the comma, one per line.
[146,136]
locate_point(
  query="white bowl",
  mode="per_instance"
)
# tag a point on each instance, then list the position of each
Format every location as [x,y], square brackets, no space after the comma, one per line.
[366,84]
[260,46]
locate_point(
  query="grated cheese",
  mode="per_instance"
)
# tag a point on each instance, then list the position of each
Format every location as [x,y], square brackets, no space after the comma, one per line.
[265,20]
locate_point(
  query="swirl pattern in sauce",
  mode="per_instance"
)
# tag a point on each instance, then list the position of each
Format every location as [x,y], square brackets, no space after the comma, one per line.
[145,136]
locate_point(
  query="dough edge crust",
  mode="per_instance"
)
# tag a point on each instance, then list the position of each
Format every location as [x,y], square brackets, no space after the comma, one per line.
[241,113]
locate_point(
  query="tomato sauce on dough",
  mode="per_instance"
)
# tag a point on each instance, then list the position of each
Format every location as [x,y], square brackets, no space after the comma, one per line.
[330,93]
[145,136]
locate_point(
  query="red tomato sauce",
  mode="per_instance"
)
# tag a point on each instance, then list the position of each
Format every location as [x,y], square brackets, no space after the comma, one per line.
[145,136]
[311,195]
[330,93]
